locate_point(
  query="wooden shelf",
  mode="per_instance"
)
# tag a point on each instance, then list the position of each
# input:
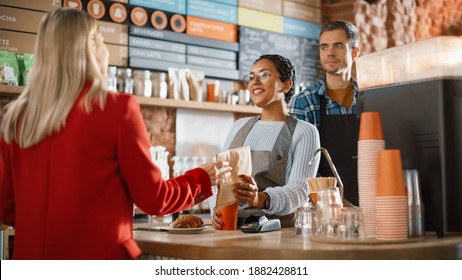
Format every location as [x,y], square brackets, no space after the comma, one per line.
[10,90]
[169,103]
[209,106]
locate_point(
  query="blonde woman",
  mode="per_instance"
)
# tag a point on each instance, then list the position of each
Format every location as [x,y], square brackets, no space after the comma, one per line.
[76,157]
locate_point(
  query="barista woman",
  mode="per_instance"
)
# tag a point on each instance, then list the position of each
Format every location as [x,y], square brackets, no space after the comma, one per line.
[280,145]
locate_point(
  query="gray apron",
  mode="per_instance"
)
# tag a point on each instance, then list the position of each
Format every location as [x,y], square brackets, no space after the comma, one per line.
[268,167]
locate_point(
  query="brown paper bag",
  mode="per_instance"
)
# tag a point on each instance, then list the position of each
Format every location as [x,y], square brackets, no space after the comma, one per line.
[240,160]
[196,80]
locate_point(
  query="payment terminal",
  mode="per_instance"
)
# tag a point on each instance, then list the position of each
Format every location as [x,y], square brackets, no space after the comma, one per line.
[255,224]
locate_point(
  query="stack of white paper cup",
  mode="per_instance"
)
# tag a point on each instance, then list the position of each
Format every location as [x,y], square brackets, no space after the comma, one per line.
[371,142]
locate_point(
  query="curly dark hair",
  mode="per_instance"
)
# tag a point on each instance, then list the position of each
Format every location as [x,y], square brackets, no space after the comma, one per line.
[286,71]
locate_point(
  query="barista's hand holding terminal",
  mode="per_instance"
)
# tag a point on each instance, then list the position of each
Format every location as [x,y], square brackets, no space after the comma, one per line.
[280,146]
[76,157]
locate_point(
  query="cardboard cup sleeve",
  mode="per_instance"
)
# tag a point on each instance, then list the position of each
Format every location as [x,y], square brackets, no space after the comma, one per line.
[370,126]
[390,174]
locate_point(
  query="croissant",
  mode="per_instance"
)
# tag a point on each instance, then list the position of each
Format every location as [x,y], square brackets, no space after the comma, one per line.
[188,221]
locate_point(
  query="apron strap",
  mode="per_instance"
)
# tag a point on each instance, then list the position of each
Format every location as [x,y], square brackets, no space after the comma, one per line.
[240,136]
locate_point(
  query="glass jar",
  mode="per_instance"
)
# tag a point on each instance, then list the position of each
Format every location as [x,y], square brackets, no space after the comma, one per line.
[124,80]
[159,85]
[142,85]
[111,80]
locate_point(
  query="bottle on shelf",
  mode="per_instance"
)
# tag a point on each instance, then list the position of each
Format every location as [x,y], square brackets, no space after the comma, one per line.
[176,166]
[111,80]
[124,80]
[142,84]
[159,85]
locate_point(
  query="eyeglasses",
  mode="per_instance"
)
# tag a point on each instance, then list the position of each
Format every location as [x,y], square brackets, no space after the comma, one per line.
[262,77]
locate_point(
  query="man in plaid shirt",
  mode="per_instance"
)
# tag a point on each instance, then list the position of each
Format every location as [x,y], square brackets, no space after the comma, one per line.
[330,103]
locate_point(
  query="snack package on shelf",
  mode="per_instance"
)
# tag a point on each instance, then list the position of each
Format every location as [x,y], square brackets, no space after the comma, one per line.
[9,68]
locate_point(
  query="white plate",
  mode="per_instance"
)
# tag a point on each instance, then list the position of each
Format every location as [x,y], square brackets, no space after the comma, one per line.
[184,230]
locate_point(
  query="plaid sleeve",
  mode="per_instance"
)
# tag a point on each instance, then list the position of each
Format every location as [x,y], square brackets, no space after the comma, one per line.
[304,106]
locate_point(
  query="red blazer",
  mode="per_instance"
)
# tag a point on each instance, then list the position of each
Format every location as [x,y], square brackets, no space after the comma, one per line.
[71,196]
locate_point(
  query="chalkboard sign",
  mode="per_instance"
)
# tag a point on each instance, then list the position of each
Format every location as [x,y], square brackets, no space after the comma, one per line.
[303,52]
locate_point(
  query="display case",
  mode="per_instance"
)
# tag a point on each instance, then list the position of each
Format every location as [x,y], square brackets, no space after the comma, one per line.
[437,57]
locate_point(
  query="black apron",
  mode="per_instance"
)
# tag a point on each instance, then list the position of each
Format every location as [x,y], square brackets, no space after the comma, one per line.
[268,167]
[339,135]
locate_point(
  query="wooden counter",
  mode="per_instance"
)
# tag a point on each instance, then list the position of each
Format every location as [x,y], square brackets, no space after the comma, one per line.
[284,244]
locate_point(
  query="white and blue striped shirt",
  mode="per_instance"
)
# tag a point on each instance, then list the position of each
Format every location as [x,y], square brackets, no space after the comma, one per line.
[305,140]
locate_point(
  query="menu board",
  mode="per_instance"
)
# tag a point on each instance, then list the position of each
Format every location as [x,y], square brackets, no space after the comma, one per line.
[302,52]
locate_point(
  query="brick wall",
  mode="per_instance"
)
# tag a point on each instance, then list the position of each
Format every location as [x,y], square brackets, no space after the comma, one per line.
[438,18]
[160,125]
[386,24]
